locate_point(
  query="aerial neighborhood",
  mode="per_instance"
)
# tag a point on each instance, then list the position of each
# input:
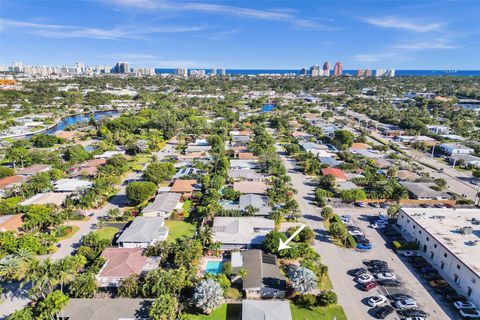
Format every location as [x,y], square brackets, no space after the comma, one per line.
[285,198]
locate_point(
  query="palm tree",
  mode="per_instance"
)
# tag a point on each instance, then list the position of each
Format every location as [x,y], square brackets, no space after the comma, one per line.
[9,267]
[205,236]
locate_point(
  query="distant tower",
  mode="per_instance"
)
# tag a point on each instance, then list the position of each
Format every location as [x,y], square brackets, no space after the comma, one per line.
[303,71]
[315,70]
[360,72]
[368,73]
[326,69]
[338,69]
[122,67]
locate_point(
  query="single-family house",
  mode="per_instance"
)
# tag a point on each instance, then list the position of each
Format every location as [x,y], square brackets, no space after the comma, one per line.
[266,310]
[407,175]
[143,232]
[241,232]
[120,263]
[465,160]
[33,170]
[237,164]
[438,129]
[109,154]
[359,145]
[422,191]
[264,279]
[163,205]
[11,222]
[185,187]
[245,174]
[56,198]
[337,173]
[71,185]
[240,141]
[8,183]
[329,161]
[455,149]
[255,187]
[187,172]
[102,309]
[258,202]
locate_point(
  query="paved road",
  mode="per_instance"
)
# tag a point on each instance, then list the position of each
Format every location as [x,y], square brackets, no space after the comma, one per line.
[15,298]
[340,260]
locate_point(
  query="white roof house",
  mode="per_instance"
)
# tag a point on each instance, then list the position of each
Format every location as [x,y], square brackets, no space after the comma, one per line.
[109,154]
[266,310]
[455,148]
[241,232]
[71,185]
[163,205]
[243,164]
[143,232]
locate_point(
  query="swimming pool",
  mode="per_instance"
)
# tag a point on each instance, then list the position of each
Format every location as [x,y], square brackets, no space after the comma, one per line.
[214,267]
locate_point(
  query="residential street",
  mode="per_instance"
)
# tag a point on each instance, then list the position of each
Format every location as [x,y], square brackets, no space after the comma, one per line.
[340,260]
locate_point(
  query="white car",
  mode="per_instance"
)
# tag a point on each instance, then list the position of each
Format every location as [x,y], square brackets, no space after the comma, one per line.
[378,225]
[470,313]
[377,300]
[409,253]
[405,304]
[385,276]
[382,216]
[355,232]
[464,305]
[415,318]
[364,278]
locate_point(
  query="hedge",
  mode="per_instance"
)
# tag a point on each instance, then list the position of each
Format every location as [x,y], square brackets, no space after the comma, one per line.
[351,243]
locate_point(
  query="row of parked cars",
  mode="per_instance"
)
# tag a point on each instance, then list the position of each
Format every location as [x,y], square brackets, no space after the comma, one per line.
[465,308]
[377,273]
[362,242]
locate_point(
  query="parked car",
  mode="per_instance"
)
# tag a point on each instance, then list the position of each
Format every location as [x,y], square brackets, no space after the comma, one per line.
[355,232]
[372,263]
[464,305]
[364,278]
[429,269]
[405,304]
[470,313]
[357,272]
[369,286]
[399,296]
[379,269]
[444,290]
[383,312]
[361,239]
[409,253]
[383,205]
[389,283]
[377,300]
[415,318]
[378,225]
[374,204]
[364,246]
[412,313]
[455,297]
[345,217]
[432,276]
[360,204]
[385,276]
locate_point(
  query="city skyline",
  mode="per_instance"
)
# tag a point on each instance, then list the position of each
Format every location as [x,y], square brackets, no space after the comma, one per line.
[235,35]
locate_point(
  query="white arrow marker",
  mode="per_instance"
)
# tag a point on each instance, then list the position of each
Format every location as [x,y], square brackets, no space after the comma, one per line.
[284,245]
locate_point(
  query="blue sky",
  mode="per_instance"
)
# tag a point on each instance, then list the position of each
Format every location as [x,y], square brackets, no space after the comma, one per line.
[242,34]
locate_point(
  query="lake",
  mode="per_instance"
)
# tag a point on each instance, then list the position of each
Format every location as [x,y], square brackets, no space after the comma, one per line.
[84,117]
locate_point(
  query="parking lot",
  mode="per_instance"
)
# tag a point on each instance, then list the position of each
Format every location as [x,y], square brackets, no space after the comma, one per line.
[412,283]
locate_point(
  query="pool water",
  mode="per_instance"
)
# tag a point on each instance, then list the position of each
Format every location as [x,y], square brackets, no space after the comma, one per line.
[214,267]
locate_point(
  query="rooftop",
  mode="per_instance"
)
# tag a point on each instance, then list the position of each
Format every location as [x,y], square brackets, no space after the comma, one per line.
[144,230]
[122,262]
[337,173]
[266,310]
[256,187]
[165,202]
[445,225]
[183,186]
[102,309]
[33,169]
[8,181]
[46,198]
[241,230]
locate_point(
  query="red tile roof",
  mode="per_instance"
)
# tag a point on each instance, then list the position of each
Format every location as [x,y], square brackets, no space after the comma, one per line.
[337,173]
[183,186]
[7,181]
[123,262]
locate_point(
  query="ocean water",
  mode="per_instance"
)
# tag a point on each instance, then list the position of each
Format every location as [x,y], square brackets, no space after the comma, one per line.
[457,73]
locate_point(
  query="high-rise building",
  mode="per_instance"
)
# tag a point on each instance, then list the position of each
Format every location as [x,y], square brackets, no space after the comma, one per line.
[213,72]
[360,73]
[368,73]
[326,68]
[222,72]
[390,73]
[122,67]
[338,69]
[315,70]
[182,72]
[303,71]
[380,72]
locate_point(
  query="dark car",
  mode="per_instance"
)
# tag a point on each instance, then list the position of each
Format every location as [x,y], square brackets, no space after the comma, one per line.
[383,312]
[452,297]
[372,263]
[416,259]
[409,313]
[429,270]
[444,290]
[357,272]
[361,239]
[383,205]
[432,276]
[389,283]
[399,296]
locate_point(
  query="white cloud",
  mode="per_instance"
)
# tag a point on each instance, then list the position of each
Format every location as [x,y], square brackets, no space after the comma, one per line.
[434,44]
[395,22]
[117,33]
[282,15]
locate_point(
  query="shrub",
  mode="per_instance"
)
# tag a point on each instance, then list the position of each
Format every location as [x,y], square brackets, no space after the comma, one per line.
[326,298]
[401,245]
[351,243]
[232,293]
[306,300]
[327,213]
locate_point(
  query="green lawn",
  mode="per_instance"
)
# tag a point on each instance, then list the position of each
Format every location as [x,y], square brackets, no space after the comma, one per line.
[325,283]
[179,229]
[186,208]
[217,314]
[140,160]
[317,313]
[106,233]
[74,230]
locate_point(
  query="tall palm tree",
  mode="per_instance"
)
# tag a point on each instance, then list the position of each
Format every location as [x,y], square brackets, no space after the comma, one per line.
[206,236]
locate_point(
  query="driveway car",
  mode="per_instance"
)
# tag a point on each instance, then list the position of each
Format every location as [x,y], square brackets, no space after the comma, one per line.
[383,312]
[405,304]
[364,278]
[369,286]
[360,204]
[464,305]
[470,313]
[399,296]
[355,232]
[385,276]
[377,300]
